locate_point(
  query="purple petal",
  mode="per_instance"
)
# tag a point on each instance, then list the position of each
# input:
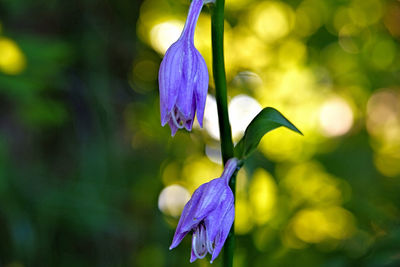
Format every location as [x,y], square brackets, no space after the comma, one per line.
[180,232]
[203,201]
[201,88]
[187,84]
[182,71]
[199,206]
[210,198]
[227,222]
[189,218]
[210,214]
[169,79]
[192,256]
[189,122]
[214,221]
[173,127]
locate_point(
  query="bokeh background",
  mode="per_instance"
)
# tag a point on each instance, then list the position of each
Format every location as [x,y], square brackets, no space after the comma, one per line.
[88,177]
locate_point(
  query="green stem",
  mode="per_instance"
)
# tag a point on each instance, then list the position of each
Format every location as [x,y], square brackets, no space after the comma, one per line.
[217,29]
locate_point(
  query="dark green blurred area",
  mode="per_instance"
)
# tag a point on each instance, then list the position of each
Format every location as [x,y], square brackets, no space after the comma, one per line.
[83,157]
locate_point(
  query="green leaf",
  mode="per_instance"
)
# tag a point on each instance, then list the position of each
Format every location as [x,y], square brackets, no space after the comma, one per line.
[267,120]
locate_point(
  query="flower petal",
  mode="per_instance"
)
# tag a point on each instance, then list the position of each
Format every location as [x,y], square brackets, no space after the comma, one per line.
[200,205]
[169,79]
[201,88]
[187,84]
[173,127]
[219,241]
[192,256]
[189,121]
[214,221]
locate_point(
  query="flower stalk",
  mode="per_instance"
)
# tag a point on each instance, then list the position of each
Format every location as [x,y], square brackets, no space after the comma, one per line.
[217,31]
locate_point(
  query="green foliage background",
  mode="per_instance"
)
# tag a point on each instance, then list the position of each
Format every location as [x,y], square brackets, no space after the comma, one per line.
[83,157]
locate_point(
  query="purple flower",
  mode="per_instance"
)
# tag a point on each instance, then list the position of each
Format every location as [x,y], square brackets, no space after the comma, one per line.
[208,215]
[183,78]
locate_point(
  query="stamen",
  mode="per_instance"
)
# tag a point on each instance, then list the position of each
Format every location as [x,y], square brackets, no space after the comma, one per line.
[199,242]
[178,125]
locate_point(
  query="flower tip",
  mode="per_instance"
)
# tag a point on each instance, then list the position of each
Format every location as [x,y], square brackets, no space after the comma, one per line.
[213,257]
[200,123]
[173,131]
[173,245]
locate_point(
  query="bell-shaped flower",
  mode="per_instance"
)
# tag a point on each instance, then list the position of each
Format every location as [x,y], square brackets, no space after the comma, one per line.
[183,78]
[208,215]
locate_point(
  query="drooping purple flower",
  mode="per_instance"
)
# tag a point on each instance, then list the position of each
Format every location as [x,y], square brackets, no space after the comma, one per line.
[183,78]
[208,215]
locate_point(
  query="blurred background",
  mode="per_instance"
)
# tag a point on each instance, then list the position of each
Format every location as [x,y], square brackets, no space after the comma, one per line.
[88,177]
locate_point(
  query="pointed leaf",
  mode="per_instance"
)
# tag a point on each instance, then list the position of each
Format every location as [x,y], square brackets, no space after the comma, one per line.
[267,120]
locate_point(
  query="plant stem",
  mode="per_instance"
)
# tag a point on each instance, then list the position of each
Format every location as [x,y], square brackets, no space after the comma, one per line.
[217,29]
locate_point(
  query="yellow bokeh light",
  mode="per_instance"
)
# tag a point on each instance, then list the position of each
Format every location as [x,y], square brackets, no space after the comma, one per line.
[262,196]
[292,90]
[202,39]
[341,18]
[365,12]
[243,216]
[199,170]
[309,183]
[213,152]
[282,145]
[172,199]
[248,80]
[242,110]
[315,225]
[246,45]
[383,120]
[290,86]
[241,182]
[348,38]
[387,162]
[12,59]
[237,4]
[210,123]
[153,12]
[310,226]
[383,124]
[309,17]
[339,61]
[271,20]
[292,52]
[164,34]
[335,117]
